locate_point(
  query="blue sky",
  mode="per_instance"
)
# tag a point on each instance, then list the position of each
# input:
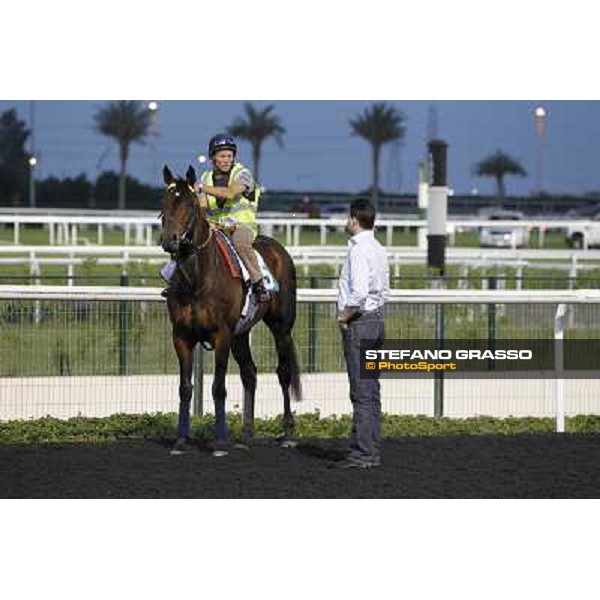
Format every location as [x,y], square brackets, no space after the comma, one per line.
[319,152]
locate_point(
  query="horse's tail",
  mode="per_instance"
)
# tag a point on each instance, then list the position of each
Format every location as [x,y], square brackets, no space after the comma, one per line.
[295,382]
[282,324]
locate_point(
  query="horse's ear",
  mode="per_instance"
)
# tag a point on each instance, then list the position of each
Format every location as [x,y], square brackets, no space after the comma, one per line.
[167,175]
[190,175]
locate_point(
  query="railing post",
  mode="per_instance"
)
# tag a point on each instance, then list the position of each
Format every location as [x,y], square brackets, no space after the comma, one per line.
[492,285]
[559,381]
[198,398]
[312,330]
[123,324]
[438,377]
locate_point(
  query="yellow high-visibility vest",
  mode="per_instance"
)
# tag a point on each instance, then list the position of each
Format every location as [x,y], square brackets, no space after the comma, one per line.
[241,209]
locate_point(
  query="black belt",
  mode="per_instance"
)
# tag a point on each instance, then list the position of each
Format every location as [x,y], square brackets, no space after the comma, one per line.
[378,312]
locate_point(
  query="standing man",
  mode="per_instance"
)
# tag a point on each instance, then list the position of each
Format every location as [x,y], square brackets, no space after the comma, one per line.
[363,287]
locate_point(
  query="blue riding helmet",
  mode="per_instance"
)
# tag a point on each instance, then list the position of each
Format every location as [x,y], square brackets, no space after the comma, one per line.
[221,141]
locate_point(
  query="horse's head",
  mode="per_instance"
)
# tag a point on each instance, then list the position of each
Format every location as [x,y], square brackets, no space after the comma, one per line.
[179,209]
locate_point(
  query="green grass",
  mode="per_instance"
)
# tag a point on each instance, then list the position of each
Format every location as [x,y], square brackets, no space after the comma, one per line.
[99,338]
[38,236]
[406,236]
[85,343]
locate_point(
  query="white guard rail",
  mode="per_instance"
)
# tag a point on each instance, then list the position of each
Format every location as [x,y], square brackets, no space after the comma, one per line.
[64,228]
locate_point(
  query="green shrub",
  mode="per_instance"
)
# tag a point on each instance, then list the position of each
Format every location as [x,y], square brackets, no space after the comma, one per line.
[86,429]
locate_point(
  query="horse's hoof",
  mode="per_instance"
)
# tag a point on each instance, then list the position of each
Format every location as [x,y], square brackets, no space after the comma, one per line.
[288,444]
[241,446]
[180,447]
[219,453]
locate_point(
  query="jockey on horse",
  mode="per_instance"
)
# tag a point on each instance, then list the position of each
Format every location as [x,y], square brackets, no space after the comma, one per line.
[230,195]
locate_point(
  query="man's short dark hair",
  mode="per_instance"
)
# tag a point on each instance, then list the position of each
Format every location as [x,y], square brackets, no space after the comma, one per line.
[363,211]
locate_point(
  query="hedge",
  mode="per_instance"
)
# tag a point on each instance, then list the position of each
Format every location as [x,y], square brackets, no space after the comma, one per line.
[86,429]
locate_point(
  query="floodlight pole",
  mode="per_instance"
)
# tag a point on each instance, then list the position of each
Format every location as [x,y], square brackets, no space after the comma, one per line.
[540,114]
[32,155]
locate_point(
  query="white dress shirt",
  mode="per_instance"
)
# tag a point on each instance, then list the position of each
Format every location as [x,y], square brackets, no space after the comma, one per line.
[365,279]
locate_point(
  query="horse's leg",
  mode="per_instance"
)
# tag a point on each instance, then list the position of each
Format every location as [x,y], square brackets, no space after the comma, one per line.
[240,348]
[287,373]
[222,345]
[185,354]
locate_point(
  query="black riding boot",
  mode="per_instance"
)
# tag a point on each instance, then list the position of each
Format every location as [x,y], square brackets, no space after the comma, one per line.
[258,288]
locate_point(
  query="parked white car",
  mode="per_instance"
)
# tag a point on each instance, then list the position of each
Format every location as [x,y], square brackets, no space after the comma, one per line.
[504,236]
[584,236]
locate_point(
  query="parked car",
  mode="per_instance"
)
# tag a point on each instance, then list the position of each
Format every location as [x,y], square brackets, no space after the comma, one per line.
[503,236]
[584,236]
[586,212]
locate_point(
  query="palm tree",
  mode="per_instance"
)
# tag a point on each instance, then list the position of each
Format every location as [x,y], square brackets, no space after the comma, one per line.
[498,165]
[379,125]
[126,121]
[256,127]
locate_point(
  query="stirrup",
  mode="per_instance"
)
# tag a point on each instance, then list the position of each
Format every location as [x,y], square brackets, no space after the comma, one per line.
[262,294]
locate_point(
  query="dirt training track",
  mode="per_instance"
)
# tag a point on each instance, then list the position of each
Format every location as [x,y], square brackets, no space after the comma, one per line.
[528,466]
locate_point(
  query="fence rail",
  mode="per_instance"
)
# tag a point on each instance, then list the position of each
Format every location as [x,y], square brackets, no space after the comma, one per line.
[305,257]
[98,350]
[412,296]
[64,228]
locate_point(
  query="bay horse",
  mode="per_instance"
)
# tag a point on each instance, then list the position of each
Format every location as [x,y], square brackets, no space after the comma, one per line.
[205,302]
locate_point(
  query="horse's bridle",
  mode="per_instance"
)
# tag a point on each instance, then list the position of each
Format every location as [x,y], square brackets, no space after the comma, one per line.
[187,235]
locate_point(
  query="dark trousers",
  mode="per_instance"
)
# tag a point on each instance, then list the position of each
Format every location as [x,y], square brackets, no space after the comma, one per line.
[365,395]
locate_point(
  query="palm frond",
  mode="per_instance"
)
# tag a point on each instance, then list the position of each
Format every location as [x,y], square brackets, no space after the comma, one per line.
[499,164]
[379,124]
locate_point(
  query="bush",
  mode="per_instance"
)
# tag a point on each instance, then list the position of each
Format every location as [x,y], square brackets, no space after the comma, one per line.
[86,429]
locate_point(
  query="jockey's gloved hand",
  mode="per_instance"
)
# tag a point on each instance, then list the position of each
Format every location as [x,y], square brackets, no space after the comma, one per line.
[229,223]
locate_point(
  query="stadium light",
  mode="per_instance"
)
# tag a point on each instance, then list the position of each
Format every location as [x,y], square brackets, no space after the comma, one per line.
[540,113]
[32,161]
[153,108]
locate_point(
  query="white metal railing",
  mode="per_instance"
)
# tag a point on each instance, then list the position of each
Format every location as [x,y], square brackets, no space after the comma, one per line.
[410,296]
[306,256]
[64,228]
[323,251]
[563,298]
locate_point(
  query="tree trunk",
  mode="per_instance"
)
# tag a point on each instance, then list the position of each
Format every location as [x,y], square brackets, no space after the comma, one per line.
[122,176]
[375,184]
[500,182]
[256,160]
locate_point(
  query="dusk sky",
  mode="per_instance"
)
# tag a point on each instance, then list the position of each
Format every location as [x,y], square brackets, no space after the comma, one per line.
[320,154]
